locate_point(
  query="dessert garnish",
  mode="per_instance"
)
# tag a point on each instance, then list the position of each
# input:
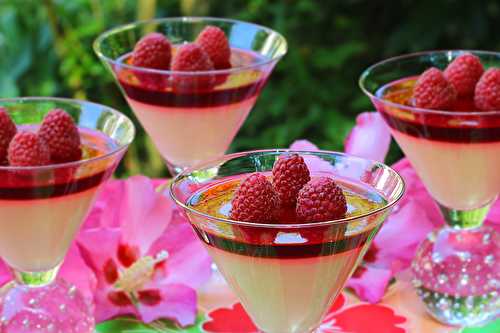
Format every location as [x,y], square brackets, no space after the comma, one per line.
[61,135]
[255,200]
[292,197]
[463,73]
[487,93]
[290,173]
[7,131]
[152,51]
[192,58]
[214,41]
[57,140]
[433,91]
[321,199]
[462,86]
[28,149]
[210,51]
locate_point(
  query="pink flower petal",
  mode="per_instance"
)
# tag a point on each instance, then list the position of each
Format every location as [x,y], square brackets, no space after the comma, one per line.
[314,163]
[493,218]
[75,270]
[97,246]
[105,310]
[372,283]
[188,262]
[178,302]
[5,274]
[370,138]
[144,213]
[303,145]
[416,191]
[400,236]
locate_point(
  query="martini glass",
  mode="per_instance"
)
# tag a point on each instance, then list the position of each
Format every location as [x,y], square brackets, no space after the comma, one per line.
[456,154]
[196,124]
[286,274]
[41,210]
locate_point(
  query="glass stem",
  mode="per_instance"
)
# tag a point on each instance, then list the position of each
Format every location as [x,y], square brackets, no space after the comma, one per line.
[465,219]
[35,279]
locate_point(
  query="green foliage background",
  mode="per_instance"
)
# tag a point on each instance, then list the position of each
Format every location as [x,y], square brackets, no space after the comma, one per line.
[46,50]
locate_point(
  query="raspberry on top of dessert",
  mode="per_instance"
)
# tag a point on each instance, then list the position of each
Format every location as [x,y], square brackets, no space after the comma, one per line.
[464,85]
[318,199]
[53,145]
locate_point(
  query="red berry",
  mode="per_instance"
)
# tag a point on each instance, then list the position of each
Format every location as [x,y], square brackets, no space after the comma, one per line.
[7,131]
[290,173]
[433,91]
[463,73]
[321,200]
[255,200]
[28,149]
[152,51]
[192,58]
[487,93]
[214,41]
[60,133]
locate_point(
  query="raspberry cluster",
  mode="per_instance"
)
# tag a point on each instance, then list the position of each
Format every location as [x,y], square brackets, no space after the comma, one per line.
[56,141]
[315,200]
[463,79]
[209,51]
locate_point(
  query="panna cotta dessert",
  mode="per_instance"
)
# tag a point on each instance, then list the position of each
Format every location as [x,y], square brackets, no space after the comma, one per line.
[285,265]
[441,121]
[45,192]
[193,112]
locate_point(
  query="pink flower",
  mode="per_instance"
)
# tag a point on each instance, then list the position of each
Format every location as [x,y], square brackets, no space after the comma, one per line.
[144,254]
[370,138]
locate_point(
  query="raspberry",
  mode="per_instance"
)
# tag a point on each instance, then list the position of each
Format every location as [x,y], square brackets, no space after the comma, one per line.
[214,41]
[7,131]
[433,91]
[152,51]
[28,149]
[463,73]
[255,200]
[290,173]
[487,93]
[192,58]
[58,130]
[321,200]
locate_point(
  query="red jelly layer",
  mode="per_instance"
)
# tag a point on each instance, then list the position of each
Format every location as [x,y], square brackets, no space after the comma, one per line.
[316,243]
[427,128]
[210,98]
[435,126]
[23,185]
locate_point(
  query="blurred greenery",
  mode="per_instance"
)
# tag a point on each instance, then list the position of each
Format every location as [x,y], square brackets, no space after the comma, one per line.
[313,93]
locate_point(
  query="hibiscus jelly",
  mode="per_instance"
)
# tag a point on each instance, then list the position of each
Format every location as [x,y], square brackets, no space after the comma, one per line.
[287,273]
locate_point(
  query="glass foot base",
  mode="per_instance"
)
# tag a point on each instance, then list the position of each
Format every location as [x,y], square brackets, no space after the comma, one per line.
[57,307]
[457,276]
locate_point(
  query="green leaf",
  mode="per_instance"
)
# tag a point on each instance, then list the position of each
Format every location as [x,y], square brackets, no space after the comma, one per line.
[133,325]
[493,327]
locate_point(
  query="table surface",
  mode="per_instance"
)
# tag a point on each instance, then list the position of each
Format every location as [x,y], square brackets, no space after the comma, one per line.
[219,311]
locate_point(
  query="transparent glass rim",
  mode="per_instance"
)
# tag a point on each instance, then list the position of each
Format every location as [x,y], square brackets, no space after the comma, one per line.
[395,60]
[97,46]
[220,160]
[120,147]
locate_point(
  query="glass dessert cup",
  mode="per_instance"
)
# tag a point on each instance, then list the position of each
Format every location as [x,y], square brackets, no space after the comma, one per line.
[192,125]
[456,154]
[41,210]
[287,275]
